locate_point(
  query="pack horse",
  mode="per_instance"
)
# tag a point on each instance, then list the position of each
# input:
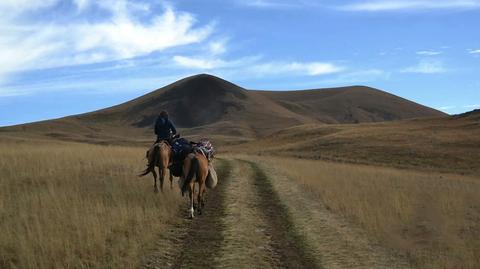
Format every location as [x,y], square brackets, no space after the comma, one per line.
[198,170]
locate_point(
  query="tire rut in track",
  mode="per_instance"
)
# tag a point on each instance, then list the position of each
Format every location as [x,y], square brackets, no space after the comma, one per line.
[195,243]
[289,245]
[337,242]
[247,237]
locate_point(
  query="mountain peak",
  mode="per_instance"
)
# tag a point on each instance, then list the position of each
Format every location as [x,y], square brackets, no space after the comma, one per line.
[203,76]
[209,103]
[206,83]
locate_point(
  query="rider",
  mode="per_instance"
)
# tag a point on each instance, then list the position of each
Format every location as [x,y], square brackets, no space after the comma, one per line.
[164,128]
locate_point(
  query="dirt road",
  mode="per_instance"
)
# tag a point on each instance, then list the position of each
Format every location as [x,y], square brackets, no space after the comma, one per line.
[257,218]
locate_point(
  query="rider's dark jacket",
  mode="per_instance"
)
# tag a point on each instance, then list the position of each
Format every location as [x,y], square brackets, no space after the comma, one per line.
[164,128]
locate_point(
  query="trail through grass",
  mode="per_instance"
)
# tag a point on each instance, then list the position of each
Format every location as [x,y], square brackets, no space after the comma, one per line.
[432,218]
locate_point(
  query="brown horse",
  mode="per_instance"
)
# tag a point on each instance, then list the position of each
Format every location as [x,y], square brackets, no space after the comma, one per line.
[159,156]
[195,170]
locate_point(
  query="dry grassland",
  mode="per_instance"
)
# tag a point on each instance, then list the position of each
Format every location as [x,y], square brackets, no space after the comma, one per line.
[77,205]
[434,219]
[443,144]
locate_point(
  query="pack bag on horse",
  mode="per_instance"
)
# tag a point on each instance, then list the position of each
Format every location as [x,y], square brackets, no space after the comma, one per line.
[205,147]
[160,154]
[198,168]
[181,147]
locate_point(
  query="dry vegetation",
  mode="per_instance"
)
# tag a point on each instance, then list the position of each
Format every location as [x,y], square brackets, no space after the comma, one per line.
[65,204]
[441,144]
[77,205]
[432,218]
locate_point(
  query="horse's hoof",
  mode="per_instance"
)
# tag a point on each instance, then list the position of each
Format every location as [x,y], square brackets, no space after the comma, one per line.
[192,212]
[155,190]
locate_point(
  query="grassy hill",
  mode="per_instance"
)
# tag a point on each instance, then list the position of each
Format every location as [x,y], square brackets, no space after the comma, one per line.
[204,105]
[446,143]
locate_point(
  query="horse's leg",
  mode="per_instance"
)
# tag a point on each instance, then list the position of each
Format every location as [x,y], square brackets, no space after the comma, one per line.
[162,177]
[195,198]
[155,188]
[200,203]
[204,196]
[171,179]
[191,190]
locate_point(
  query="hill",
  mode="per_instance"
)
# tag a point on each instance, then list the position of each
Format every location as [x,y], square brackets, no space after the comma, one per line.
[450,144]
[354,104]
[207,105]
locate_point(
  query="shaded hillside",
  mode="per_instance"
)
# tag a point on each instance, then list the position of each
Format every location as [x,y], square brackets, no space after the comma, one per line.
[207,105]
[354,104]
[204,99]
[472,115]
[193,101]
[449,144]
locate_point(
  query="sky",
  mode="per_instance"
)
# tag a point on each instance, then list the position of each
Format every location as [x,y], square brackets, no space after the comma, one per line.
[64,57]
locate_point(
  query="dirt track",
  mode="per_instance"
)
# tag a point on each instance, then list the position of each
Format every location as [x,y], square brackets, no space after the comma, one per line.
[256,218]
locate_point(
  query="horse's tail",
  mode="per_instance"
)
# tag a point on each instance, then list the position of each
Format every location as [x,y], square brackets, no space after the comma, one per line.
[193,170]
[152,161]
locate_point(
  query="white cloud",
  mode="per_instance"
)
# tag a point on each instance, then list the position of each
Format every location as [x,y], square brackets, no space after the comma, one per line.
[125,38]
[361,76]
[38,45]
[7,92]
[429,52]
[82,4]
[447,108]
[458,108]
[471,106]
[471,51]
[268,3]
[217,47]
[426,67]
[393,5]
[15,7]
[261,3]
[142,83]
[198,63]
[298,68]
[211,62]
[256,66]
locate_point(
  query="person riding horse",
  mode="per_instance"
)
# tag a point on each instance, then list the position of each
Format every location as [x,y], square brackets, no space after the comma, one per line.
[160,153]
[164,128]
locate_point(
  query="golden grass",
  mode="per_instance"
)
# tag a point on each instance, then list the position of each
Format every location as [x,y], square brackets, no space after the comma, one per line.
[77,205]
[443,144]
[434,219]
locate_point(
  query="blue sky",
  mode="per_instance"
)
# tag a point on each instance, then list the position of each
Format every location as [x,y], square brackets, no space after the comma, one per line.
[62,57]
